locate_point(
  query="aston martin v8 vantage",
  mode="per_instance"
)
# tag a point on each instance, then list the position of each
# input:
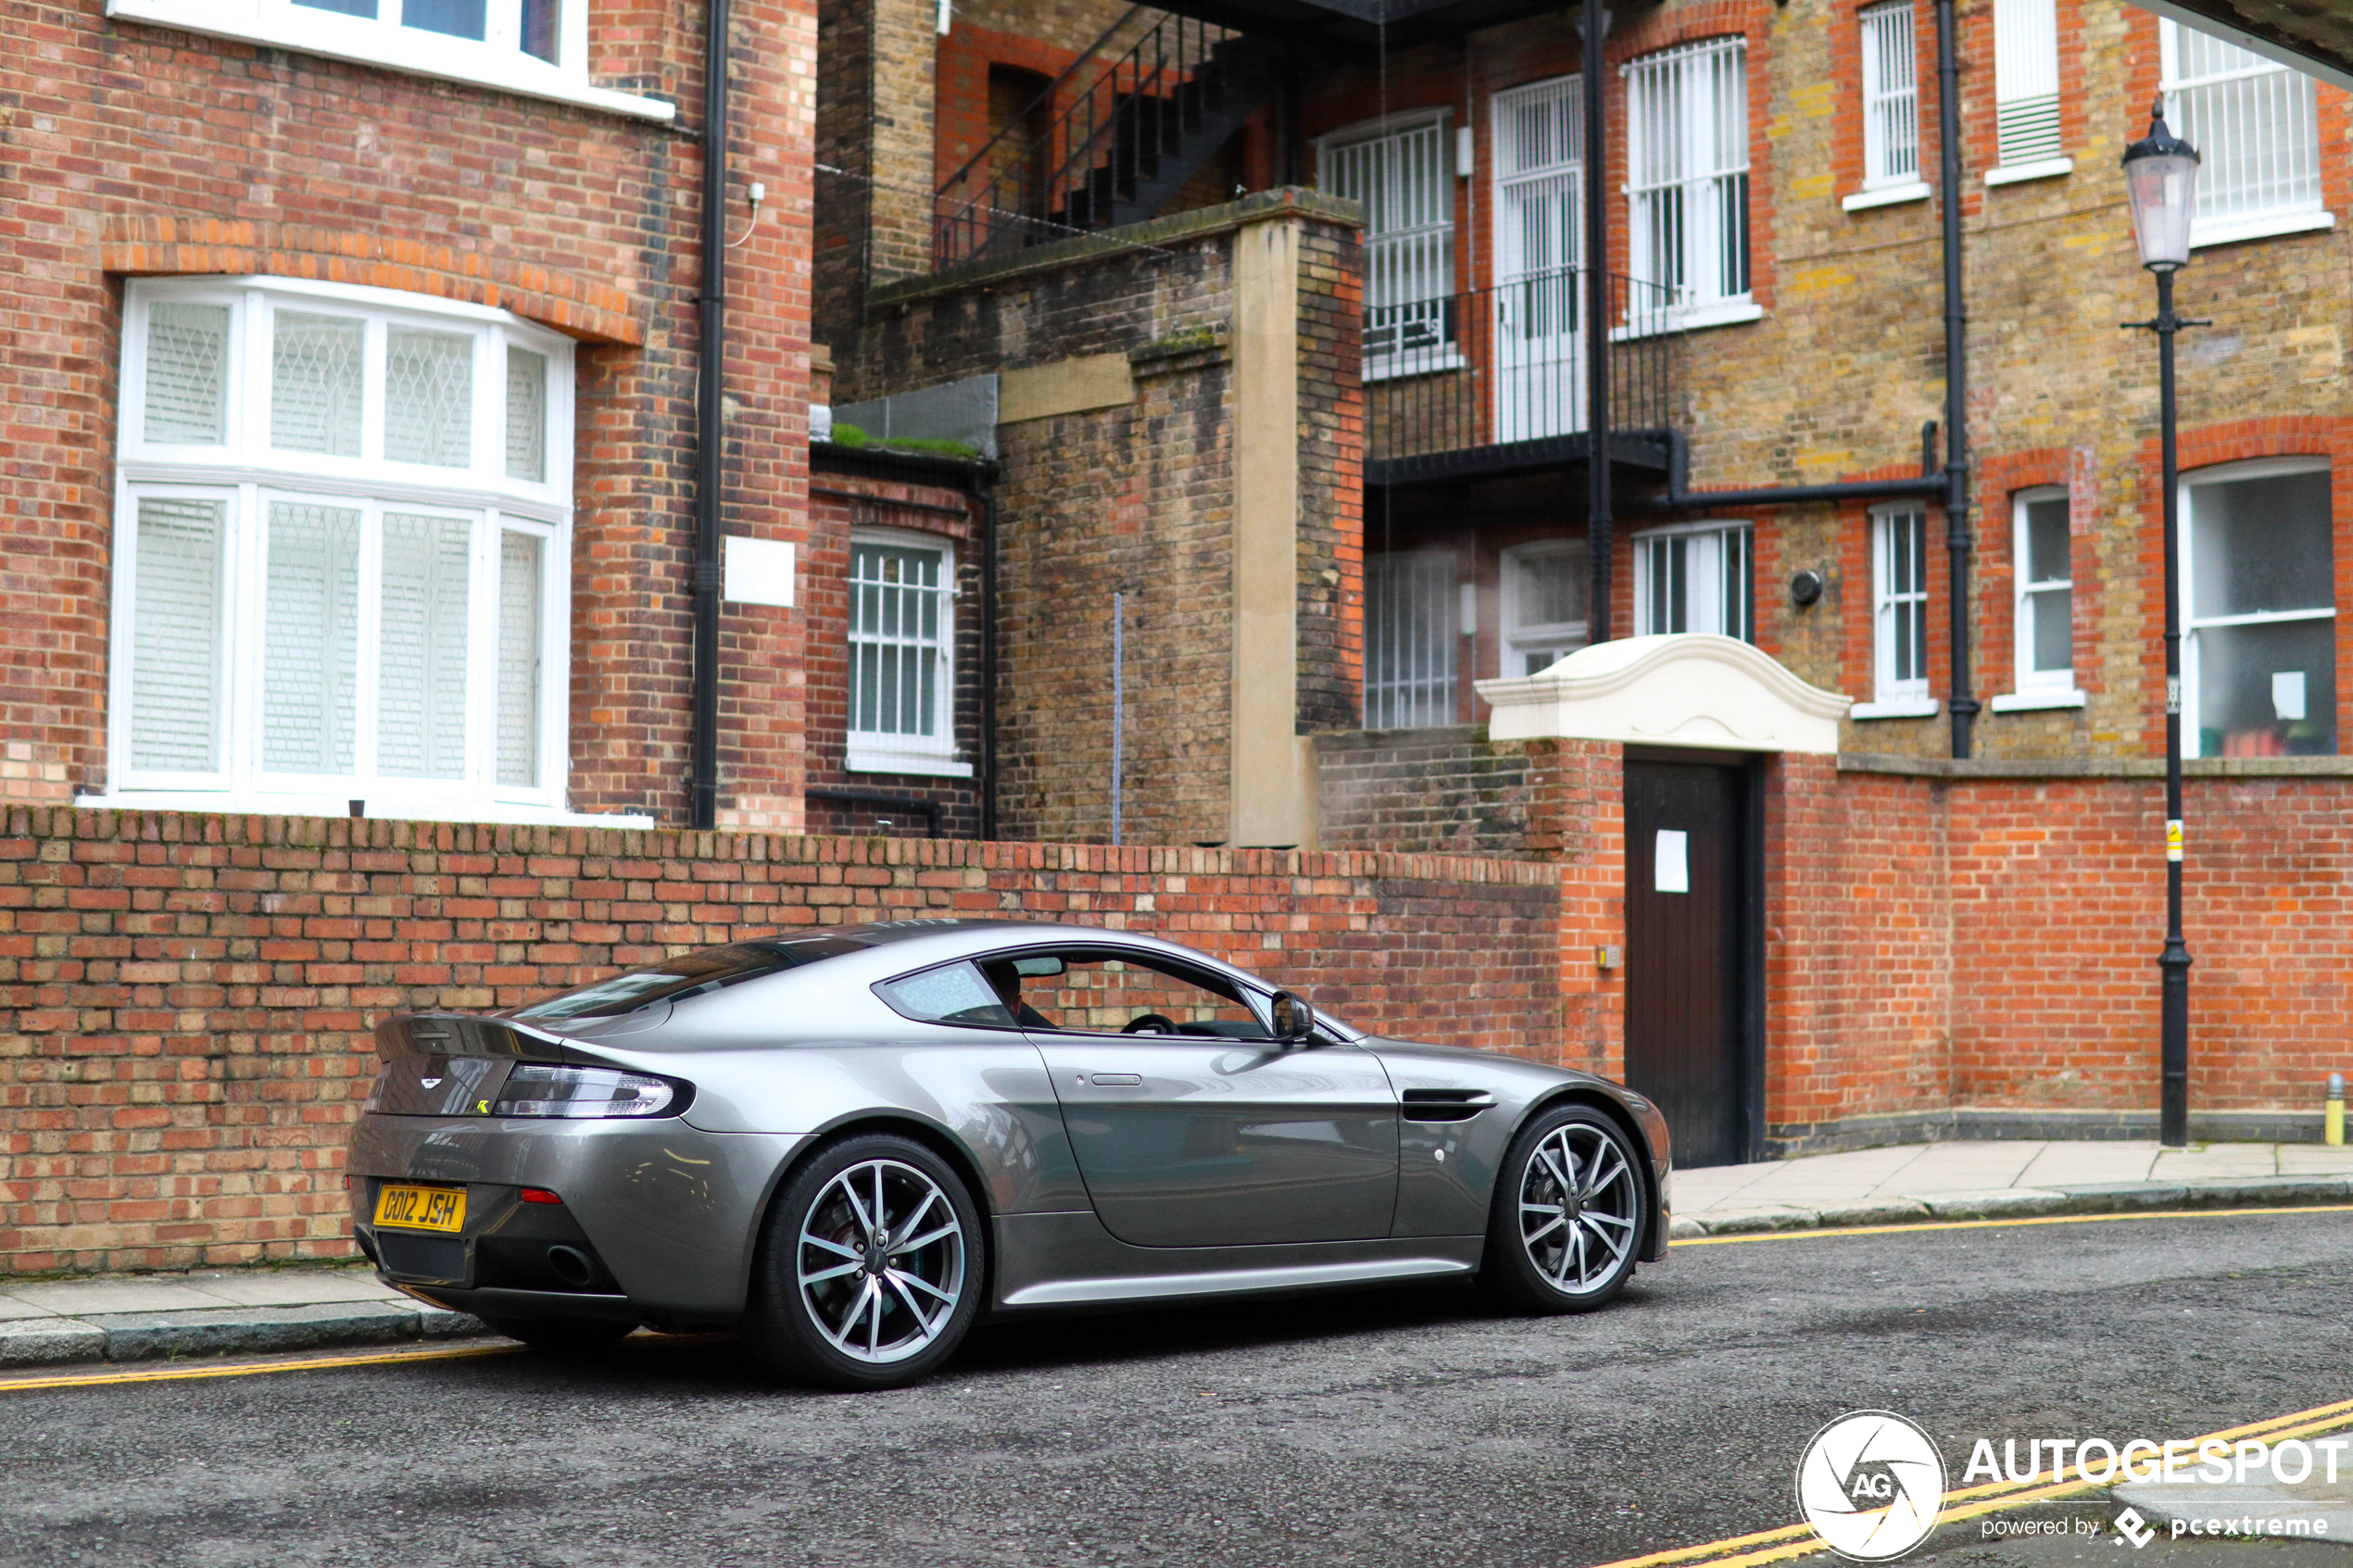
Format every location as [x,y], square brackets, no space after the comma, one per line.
[850,1145]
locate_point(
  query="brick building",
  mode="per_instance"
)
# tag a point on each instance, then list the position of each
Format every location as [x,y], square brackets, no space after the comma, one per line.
[1029,191]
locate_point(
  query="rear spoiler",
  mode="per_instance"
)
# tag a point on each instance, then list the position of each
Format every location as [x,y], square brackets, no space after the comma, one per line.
[459,1033]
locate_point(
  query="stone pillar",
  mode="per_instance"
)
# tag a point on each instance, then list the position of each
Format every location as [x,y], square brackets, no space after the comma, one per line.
[1273,765]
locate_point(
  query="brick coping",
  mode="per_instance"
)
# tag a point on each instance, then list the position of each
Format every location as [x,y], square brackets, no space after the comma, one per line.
[231,830]
[2095,767]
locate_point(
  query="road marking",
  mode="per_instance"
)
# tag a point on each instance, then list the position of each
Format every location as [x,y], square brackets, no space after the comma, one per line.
[247,1369]
[1973,1501]
[2023,1220]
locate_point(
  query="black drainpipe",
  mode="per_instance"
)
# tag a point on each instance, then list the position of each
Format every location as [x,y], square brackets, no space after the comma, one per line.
[1956,501]
[711,433]
[1599,522]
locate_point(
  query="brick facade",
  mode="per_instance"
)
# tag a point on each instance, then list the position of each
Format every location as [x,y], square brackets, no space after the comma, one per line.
[186,1001]
[135,150]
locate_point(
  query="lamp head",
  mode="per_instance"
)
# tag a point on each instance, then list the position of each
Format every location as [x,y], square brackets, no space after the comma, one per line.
[2161,182]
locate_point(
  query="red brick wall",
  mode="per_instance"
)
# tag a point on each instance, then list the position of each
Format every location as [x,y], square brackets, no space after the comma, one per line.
[139,149]
[186,1000]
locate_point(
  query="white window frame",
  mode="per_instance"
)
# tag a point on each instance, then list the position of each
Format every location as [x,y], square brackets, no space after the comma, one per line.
[2222,217]
[2037,688]
[1891,98]
[1708,132]
[2026,92]
[1893,696]
[1430,699]
[245,474]
[1705,574]
[1559,638]
[1425,316]
[877,752]
[2194,623]
[496,61]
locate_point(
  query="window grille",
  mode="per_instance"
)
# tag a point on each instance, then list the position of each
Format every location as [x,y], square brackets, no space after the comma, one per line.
[1891,98]
[1687,132]
[900,644]
[1400,178]
[2254,123]
[1539,374]
[1899,593]
[2026,89]
[1410,636]
[1695,579]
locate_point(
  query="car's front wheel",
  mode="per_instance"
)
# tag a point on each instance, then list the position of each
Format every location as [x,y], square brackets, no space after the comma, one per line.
[1567,1217]
[871,1268]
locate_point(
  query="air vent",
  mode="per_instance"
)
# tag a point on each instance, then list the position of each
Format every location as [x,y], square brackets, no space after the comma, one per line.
[1445,1105]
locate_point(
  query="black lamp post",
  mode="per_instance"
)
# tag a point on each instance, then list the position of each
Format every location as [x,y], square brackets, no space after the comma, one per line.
[2161,182]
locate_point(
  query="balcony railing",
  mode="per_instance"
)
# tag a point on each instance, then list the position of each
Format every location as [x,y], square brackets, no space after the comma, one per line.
[1493,379]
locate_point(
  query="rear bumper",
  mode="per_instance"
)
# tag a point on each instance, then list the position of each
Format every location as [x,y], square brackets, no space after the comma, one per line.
[666,1214]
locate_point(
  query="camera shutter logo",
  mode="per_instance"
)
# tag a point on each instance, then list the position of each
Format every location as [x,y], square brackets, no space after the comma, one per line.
[1871,1485]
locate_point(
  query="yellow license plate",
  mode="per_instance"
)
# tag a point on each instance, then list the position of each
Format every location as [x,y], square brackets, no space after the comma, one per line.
[421,1209]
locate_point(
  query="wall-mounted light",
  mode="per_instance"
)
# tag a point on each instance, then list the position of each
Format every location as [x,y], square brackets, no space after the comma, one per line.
[1806,589]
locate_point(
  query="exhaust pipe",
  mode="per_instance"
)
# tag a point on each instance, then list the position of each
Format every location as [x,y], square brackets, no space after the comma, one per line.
[572,1266]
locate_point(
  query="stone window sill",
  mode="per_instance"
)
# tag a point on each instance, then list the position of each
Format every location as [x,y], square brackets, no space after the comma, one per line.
[2041,169]
[1896,708]
[931,764]
[2027,702]
[1892,195]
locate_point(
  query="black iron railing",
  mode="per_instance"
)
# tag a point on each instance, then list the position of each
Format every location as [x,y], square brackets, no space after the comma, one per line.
[1495,377]
[1103,147]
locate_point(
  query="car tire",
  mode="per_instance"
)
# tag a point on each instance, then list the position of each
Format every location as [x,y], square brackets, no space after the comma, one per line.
[848,1300]
[569,1335]
[1545,1252]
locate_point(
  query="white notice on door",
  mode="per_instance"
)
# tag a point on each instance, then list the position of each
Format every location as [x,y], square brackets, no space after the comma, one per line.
[1671,868]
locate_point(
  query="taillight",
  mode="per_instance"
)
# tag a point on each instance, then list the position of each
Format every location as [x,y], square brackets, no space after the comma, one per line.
[540,1194]
[534,1090]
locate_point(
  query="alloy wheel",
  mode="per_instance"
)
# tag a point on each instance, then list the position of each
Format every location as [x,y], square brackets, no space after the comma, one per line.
[881,1260]
[1580,1206]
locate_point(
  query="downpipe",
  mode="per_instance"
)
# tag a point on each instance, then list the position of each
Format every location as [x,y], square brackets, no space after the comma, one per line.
[710,424]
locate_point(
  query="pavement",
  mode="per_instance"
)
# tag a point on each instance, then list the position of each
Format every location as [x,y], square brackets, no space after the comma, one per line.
[248,1312]
[140,1317]
[1912,1183]
[1414,1427]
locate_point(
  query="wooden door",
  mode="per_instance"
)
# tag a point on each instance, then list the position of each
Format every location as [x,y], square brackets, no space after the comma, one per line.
[1688,878]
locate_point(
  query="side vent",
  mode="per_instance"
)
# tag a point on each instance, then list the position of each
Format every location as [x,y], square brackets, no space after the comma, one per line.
[1445,1105]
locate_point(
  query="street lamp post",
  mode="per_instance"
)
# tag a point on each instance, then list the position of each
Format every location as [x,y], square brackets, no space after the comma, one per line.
[2161,182]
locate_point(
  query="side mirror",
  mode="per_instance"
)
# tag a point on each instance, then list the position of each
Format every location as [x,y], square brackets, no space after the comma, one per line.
[1295,1020]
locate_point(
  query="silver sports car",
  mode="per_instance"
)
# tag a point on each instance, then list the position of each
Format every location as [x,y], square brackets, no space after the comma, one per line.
[850,1145]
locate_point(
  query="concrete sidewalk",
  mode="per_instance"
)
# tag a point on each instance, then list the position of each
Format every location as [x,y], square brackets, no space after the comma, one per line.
[140,1317]
[2000,1179]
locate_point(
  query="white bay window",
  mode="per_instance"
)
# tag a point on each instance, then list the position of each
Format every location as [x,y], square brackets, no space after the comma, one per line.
[535,47]
[343,518]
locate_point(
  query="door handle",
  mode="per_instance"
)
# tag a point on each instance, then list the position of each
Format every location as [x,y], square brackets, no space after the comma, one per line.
[1113,1080]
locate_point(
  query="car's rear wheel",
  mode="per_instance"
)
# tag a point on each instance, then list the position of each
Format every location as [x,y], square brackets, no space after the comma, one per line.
[1567,1221]
[562,1334]
[872,1266]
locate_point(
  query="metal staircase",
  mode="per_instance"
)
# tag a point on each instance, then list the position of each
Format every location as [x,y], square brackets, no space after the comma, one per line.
[1120,146]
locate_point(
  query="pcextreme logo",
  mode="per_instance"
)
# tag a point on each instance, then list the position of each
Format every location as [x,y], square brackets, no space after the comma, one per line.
[1871,1485]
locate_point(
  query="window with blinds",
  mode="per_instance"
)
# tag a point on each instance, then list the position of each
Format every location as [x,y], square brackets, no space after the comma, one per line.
[1695,579]
[1891,97]
[1411,630]
[2026,88]
[1687,159]
[902,646]
[1400,176]
[2257,129]
[360,606]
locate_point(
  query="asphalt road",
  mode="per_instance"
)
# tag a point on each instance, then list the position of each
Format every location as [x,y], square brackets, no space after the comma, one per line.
[1384,1428]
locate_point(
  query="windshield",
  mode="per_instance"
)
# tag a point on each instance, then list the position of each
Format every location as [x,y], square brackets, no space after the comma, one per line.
[689,974]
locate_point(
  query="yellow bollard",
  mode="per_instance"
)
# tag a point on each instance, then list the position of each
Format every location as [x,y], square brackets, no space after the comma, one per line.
[2335,1122]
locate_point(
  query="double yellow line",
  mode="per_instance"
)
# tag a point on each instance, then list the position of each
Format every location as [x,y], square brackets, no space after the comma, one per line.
[181,1372]
[2007,1224]
[1969,1502]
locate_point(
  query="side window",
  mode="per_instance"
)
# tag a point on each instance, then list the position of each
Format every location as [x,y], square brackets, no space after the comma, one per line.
[2045,592]
[954,994]
[1099,993]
